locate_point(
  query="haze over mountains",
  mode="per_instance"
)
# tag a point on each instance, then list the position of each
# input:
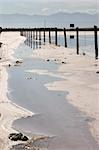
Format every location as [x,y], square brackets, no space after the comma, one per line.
[60,19]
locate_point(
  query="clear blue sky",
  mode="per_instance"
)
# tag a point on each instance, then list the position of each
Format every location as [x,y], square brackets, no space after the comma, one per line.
[48,6]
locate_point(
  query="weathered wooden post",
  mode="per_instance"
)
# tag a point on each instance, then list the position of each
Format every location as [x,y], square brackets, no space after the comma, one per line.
[77,40]
[36,34]
[55,36]
[21,33]
[27,37]
[65,37]
[0,30]
[49,35]
[0,33]
[24,33]
[31,34]
[96,42]
[39,35]
[44,35]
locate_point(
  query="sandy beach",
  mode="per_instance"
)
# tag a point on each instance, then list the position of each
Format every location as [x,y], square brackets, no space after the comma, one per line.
[78,78]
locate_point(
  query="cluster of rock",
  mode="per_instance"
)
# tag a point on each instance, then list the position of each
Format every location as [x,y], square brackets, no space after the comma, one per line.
[16,63]
[63,62]
[18,137]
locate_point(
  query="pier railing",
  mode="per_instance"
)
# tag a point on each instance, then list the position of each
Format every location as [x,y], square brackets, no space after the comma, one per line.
[36,33]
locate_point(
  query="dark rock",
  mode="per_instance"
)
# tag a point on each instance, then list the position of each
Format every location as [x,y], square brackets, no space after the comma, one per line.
[1,44]
[63,62]
[0,58]
[17,137]
[24,138]
[47,60]
[29,78]
[97,72]
[55,59]
[12,134]
[84,53]
[9,65]
[18,62]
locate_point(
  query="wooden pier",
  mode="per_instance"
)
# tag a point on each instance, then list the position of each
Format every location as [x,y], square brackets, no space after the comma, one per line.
[36,33]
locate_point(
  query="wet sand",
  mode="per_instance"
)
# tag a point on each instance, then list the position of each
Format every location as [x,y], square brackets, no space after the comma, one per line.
[54,116]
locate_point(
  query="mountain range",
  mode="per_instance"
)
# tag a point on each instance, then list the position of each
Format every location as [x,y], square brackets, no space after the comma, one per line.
[60,19]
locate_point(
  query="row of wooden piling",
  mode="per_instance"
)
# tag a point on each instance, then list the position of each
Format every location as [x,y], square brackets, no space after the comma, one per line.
[36,34]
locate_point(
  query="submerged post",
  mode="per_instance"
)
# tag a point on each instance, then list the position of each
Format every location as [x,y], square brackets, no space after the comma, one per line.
[49,36]
[65,38]
[55,36]
[96,42]
[77,40]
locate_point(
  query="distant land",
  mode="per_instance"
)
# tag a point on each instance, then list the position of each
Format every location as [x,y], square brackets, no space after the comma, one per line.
[60,19]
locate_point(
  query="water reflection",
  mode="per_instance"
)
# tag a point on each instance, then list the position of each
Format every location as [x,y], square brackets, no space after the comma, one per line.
[33,43]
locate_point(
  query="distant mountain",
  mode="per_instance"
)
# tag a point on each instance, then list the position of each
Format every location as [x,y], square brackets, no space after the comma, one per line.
[55,20]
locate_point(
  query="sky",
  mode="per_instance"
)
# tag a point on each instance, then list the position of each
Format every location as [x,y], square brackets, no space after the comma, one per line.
[46,7]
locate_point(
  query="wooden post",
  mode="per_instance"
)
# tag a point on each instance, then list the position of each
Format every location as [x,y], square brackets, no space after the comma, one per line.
[0,30]
[55,36]
[36,35]
[77,40]
[27,37]
[21,33]
[27,34]
[39,35]
[65,38]
[96,42]
[31,34]
[44,35]
[49,36]
[24,33]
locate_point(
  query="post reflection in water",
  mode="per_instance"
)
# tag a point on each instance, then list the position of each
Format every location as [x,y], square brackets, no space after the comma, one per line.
[31,41]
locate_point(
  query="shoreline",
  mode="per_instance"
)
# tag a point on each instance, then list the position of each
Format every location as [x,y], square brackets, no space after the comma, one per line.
[47,52]
[8,110]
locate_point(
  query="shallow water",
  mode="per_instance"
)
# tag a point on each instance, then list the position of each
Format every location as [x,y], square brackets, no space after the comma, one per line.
[86,42]
[54,116]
